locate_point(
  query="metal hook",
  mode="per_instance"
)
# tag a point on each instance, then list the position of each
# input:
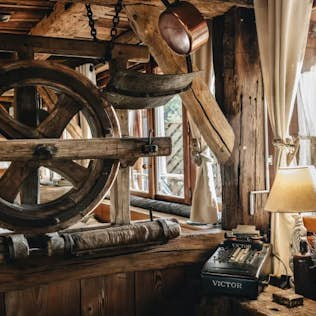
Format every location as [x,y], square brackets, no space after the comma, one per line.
[150,148]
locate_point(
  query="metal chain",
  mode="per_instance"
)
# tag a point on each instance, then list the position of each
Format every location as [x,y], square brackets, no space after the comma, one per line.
[93,30]
[115,22]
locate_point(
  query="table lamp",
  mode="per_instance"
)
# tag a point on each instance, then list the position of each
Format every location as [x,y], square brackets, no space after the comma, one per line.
[294,191]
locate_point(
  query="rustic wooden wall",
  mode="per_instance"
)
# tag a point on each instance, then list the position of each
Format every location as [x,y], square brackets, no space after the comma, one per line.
[159,292]
[239,91]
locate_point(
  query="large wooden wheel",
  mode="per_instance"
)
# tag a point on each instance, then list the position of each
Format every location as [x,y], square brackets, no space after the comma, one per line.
[89,184]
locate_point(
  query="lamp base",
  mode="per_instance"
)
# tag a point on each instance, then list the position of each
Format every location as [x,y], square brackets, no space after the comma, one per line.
[299,233]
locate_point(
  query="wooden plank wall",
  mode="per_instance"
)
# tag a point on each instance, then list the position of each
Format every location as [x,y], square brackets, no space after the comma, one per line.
[159,292]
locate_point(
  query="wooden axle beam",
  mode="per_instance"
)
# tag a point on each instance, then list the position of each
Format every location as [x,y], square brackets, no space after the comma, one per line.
[76,149]
[71,47]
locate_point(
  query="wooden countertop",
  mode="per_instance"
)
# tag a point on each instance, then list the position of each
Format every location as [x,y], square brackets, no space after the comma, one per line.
[265,306]
[262,306]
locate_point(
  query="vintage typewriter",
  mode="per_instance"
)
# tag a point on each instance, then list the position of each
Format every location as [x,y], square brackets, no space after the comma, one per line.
[240,265]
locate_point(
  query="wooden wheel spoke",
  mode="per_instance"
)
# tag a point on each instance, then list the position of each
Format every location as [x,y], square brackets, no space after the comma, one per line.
[13,178]
[73,172]
[12,129]
[56,122]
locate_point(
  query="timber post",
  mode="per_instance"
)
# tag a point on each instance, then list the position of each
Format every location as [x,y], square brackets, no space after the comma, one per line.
[239,91]
[26,109]
[120,191]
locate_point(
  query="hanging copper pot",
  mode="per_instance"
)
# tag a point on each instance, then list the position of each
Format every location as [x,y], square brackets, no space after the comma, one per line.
[183,27]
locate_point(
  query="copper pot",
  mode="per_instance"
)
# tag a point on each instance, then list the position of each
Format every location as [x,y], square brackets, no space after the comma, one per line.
[183,27]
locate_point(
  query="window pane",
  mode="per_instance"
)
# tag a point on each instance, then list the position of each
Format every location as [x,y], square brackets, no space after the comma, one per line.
[138,120]
[170,170]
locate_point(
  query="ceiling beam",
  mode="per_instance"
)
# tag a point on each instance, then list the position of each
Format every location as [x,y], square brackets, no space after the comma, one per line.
[70,21]
[243,3]
[71,47]
[209,8]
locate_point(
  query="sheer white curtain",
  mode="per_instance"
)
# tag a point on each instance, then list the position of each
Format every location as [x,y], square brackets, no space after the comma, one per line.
[306,106]
[204,201]
[282,27]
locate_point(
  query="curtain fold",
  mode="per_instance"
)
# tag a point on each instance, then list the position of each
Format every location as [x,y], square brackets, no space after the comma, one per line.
[306,106]
[204,201]
[282,27]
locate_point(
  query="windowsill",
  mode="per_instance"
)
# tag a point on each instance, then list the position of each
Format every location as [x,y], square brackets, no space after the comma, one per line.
[139,214]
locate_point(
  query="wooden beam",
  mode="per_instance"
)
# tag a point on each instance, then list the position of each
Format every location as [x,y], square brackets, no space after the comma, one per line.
[209,8]
[120,191]
[26,108]
[242,3]
[94,148]
[6,99]
[71,47]
[71,21]
[239,91]
[198,100]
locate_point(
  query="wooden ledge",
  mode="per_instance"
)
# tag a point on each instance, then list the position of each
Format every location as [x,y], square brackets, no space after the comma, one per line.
[189,248]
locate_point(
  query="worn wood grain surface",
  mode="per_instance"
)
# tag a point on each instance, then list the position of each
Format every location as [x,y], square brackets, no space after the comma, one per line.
[54,299]
[168,292]
[262,306]
[74,149]
[70,47]
[239,91]
[108,295]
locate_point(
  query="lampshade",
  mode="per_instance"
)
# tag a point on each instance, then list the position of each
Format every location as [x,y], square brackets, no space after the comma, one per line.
[293,190]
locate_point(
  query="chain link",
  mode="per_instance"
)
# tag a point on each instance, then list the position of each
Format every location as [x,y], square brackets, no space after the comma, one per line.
[115,22]
[93,30]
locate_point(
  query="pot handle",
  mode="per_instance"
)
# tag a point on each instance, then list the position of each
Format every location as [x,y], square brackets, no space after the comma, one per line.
[189,63]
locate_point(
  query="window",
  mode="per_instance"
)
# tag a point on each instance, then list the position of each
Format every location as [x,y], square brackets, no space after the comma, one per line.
[164,178]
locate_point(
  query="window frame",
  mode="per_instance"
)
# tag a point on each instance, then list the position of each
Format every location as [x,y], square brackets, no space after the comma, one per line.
[188,163]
